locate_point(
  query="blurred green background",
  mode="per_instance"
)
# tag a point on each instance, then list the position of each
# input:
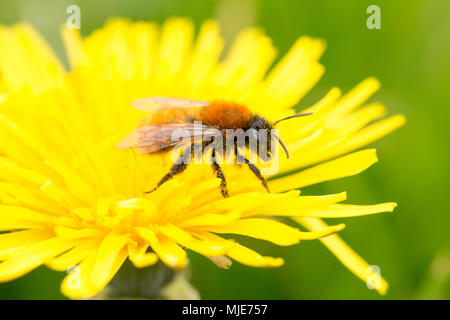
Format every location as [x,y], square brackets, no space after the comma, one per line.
[410,55]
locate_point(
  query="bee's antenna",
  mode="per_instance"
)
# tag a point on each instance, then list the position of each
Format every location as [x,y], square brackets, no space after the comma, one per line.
[282,144]
[294,116]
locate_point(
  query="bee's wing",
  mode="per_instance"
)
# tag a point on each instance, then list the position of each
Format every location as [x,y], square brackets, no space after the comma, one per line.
[156,137]
[152,103]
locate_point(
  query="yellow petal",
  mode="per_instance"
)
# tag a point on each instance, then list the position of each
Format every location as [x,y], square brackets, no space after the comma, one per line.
[205,55]
[176,41]
[211,219]
[33,257]
[59,195]
[206,248]
[295,206]
[348,210]
[326,102]
[250,42]
[15,212]
[245,201]
[343,252]
[166,249]
[72,257]
[143,37]
[12,242]
[251,258]
[16,134]
[7,224]
[78,283]
[296,73]
[74,47]
[75,184]
[239,253]
[342,167]
[19,194]
[69,233]
[313,235]
[355,97]
[359,119]
[106,256]
[140,257]
[265,229]
[373,132]
[221,261]
[26,59]
[13,172]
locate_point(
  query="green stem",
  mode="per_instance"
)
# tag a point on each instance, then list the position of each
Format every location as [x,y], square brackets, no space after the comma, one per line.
[154,282]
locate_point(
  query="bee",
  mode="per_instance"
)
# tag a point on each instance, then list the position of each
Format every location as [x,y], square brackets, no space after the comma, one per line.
[168,114]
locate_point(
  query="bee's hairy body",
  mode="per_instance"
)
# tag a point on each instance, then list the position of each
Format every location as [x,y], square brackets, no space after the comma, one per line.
[218,118]
[219,114]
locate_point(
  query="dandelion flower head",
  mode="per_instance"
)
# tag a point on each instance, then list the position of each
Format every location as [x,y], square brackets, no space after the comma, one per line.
[70,197]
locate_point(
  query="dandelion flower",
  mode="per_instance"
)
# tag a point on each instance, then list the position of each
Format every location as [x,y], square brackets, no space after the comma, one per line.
[69,197]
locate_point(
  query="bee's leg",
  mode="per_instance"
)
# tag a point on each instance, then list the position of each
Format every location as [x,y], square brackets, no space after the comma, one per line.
[255,170]
[177,168]
[219,173]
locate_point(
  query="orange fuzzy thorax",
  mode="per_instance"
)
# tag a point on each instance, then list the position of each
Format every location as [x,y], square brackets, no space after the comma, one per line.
[226,114]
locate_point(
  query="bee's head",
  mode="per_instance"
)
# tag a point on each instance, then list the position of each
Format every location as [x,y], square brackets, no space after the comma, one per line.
[254,128]
[257,123]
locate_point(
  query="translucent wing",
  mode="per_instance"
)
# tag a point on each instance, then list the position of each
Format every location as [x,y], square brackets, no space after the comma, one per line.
[152,103]
[156,137]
